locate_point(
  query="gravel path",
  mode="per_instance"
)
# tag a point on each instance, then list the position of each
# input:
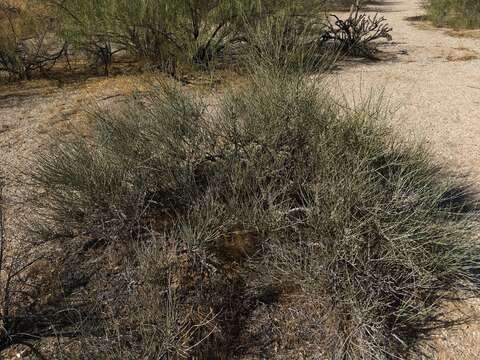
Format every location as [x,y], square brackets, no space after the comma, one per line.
[434,80]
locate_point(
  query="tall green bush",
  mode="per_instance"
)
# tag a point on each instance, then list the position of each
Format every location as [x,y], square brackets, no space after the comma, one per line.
[164,32]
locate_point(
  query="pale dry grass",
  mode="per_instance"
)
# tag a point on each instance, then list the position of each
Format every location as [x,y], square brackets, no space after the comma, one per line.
[475,34]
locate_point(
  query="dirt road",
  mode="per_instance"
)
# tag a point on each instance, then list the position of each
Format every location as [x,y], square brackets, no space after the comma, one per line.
[433,79]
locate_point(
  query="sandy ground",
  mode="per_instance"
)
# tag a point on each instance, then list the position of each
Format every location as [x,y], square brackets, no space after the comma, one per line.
[432,78]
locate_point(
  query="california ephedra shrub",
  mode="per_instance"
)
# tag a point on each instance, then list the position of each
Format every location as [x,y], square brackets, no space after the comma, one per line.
[273,220]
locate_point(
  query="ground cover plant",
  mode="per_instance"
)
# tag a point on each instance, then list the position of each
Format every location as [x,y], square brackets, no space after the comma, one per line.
[456,13]
[267,222]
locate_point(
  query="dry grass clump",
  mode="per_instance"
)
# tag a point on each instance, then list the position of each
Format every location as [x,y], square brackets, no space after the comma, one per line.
[272,223]
[455,13]
[34,304]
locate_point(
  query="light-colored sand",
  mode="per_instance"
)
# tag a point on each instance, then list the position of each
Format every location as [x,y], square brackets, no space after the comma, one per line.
[435,85]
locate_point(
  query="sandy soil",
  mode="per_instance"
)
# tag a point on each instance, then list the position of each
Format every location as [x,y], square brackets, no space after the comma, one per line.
[434,81]
[431,77]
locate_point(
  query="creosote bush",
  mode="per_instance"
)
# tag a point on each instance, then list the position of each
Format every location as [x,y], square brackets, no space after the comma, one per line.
[272,222]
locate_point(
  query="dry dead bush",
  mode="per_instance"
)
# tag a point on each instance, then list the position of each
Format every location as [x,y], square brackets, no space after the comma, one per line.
[357,35]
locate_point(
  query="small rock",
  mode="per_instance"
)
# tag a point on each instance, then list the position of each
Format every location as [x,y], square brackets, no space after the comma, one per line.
[4,128]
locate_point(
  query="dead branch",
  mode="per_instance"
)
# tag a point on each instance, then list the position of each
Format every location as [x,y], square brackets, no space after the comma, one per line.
[356,35]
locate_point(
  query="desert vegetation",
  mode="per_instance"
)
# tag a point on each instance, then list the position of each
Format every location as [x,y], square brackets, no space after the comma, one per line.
[26,44]
[272,220]
[456,13]
[163,35]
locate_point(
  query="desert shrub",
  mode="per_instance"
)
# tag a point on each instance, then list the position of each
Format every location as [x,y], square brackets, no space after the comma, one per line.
[281,42]
[88,26]
[31,302]
[312,42]
[274,219]
[26,44]
[457,13]
[358,33]
[164,32]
